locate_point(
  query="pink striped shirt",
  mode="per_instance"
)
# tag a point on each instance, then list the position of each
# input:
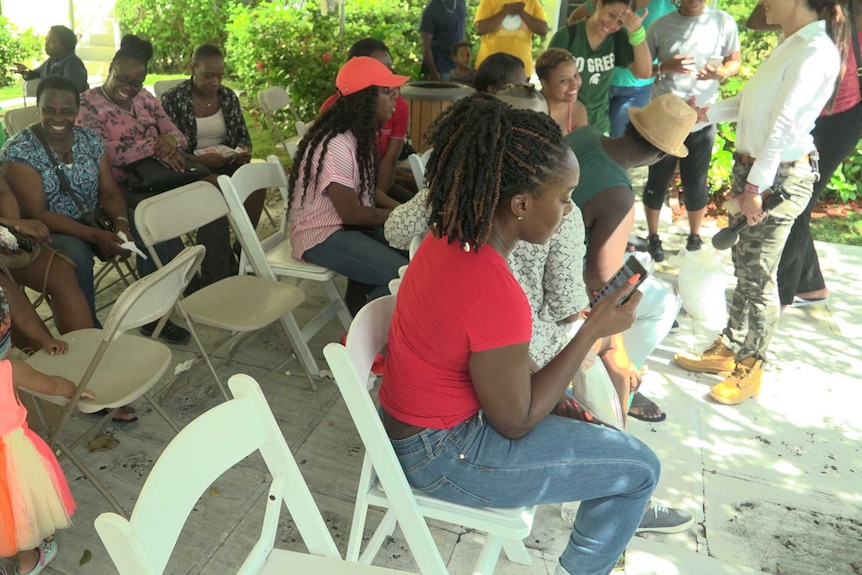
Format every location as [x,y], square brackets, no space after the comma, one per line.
[314,219]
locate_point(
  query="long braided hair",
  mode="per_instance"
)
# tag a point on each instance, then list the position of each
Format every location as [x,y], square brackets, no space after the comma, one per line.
[484,152]
[357,114]
[838,29]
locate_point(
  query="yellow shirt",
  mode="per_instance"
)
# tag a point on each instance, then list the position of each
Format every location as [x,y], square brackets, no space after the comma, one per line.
[513,36]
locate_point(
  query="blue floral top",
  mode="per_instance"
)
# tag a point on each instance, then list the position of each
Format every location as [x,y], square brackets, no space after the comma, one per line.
[83,173]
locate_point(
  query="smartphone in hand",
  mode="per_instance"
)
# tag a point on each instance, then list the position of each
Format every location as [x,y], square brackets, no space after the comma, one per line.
[631,268]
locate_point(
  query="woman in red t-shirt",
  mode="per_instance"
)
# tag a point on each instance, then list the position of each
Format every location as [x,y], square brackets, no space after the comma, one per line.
[468,413]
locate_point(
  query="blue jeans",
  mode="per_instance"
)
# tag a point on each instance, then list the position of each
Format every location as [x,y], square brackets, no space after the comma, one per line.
[621,98]
[81,253]
[365,258]
[612,473]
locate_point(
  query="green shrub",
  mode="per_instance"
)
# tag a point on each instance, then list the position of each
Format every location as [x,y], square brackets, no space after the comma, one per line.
[175,28]
[299,48]
[16,46]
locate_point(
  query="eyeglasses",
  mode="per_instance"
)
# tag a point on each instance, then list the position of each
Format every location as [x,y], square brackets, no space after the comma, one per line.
[125,80]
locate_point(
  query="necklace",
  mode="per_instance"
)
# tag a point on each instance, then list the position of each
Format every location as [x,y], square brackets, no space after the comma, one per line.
[207,105]
[449,10]
[131,108]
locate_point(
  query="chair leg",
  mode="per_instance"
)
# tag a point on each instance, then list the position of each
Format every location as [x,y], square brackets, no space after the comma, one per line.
[168,419]
[384,530]
[90,477]
[489,555]
[300,348]
[517,552]
[335,296]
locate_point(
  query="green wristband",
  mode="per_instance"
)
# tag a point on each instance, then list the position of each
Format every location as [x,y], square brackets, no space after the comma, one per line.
[637,37]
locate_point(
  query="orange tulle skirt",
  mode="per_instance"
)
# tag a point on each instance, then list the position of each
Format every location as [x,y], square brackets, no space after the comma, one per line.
[35,499]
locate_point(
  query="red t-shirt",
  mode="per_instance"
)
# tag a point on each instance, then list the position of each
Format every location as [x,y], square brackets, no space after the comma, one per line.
[395,127]
[450,303]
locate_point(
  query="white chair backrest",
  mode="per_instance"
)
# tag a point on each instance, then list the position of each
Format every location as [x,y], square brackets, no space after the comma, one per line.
[292,149]
[163,86]
[236,190]
[274,99]
[178,211]
[417,167]
[30,87]
[351,365]
[154,295]
[201,452]
[16,120]
[415,243]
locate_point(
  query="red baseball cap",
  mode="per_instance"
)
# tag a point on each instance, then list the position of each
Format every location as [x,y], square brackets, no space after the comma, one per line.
[363,72]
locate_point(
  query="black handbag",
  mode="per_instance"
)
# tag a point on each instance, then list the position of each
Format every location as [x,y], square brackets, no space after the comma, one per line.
[151,176]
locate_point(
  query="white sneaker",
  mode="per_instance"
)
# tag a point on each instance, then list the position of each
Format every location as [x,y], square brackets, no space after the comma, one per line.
[663,519]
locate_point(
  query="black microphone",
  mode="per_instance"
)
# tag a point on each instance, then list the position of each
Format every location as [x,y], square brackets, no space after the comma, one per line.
[728,237]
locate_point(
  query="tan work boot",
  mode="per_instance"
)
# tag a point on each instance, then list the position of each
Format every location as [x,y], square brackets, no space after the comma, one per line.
[717,358]
[743,383]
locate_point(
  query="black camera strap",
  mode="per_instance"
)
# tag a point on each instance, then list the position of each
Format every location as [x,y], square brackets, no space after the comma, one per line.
[58,169]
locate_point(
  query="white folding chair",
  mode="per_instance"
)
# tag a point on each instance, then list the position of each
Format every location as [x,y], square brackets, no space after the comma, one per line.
[273,100]
[162,86]
[382,482]
[240,304]
[16,120]
[118,367]
[271,258]
[204,450]
[29,89]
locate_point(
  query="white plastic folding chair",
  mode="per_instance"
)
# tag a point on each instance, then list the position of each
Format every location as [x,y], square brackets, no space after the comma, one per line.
[162,86]
[274,99]
[205,449]
[382,482]
[16,120]
[29,89]
[240,304]
[271,258]
[118,367]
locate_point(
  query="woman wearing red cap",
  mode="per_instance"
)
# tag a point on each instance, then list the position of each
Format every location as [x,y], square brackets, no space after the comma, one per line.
[335,219]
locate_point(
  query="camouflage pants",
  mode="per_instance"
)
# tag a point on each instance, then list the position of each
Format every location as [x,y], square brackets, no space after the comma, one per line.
[755,308]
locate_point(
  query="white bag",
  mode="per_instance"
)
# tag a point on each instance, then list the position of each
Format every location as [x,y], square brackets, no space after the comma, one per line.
[593,390]
[703,285]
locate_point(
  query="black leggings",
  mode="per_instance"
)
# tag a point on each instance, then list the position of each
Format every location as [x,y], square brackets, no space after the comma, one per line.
[835,137]
[693,170]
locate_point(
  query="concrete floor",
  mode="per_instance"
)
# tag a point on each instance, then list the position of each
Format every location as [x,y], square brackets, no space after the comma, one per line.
[775,484]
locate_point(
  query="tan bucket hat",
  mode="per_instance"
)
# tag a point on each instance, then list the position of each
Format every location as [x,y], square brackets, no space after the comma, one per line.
[665,123]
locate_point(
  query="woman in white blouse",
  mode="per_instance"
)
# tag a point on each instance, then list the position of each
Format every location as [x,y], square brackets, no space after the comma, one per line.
[774,115]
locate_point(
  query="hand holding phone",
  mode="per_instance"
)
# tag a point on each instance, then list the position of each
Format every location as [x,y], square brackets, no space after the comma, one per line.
[632,273]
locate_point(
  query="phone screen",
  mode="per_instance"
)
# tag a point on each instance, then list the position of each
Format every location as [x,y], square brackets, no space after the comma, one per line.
[629,269]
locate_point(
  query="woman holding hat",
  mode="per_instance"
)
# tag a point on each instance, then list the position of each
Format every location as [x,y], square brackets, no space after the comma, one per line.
[335,216]
[607,203]
[775,113]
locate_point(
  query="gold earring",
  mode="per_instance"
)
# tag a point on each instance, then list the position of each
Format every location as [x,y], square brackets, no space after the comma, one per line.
[520,217]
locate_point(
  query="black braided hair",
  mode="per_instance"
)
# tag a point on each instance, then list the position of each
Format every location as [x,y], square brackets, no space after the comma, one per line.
[356,113]
[484,152]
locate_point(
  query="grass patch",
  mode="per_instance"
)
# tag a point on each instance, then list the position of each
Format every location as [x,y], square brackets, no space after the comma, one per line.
[14,91]
[846,229]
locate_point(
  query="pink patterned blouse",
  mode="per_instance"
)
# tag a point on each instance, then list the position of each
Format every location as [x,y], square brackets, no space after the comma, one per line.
[128,135]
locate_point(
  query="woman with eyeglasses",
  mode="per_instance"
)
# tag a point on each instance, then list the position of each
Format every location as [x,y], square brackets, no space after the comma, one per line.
[133,125]
[336,214]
